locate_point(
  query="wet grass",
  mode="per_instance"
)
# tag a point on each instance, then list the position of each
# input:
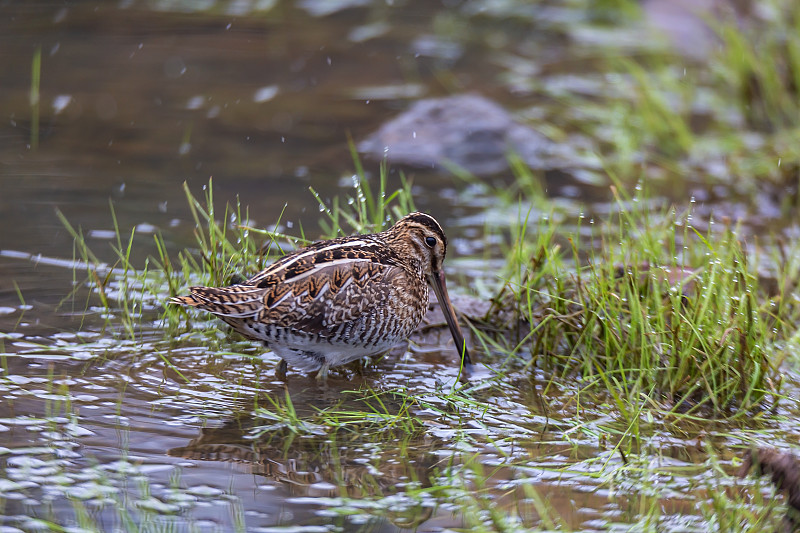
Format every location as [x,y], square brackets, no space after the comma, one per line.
[380,417]
[672,315]
[766,90]
[724,118]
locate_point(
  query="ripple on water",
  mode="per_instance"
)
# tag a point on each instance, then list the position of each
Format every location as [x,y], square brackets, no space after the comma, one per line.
[180,409]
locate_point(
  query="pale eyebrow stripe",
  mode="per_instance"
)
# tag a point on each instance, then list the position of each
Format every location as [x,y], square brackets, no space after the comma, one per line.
[320,266]
[348,244]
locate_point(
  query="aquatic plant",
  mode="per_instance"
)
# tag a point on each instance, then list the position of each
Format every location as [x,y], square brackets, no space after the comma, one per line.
[658,312]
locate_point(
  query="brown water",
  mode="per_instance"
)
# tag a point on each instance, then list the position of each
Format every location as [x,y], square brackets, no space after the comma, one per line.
[137,98]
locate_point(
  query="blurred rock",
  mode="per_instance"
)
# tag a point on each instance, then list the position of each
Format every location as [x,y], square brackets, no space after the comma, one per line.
[784,471]
[686,22]
[468,131]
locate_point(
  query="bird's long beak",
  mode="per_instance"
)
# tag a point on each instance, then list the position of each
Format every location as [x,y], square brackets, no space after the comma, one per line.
[440,288]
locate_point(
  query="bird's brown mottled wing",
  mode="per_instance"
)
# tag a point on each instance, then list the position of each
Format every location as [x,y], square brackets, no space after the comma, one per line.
[327,289]
[337,294]
[335,251]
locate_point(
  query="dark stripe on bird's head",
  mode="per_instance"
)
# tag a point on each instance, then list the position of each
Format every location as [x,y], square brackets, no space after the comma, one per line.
[426,220]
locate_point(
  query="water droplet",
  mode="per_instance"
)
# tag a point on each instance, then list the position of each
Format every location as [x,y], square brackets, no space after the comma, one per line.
[60,102]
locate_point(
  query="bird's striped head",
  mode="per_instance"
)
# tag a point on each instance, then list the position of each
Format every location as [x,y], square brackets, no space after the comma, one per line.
[419,236]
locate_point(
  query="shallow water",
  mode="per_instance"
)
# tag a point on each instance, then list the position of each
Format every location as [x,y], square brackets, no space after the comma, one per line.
[112,427]
[137,98]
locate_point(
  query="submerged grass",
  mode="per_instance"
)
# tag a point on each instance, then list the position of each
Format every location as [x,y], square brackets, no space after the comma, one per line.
[366,416]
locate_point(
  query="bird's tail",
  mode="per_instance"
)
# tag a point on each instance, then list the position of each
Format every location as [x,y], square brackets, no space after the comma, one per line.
[184,300]
[234,301]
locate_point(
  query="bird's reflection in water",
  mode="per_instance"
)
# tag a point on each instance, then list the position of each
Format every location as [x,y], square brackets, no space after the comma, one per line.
[367,447]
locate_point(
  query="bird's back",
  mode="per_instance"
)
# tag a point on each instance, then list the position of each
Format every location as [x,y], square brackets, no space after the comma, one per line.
[350,291]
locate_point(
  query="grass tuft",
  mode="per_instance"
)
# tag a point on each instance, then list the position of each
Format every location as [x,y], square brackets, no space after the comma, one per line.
[659,313]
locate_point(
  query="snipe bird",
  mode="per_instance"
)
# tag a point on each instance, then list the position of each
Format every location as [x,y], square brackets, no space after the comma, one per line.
[340,300]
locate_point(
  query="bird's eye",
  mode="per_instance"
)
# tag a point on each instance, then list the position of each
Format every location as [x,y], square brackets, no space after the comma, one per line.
[430,241]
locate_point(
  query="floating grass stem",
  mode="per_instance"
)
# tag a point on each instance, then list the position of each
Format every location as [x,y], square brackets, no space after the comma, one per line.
[36,69]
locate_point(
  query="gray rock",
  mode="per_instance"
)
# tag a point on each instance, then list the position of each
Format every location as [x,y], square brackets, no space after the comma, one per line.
[468,130]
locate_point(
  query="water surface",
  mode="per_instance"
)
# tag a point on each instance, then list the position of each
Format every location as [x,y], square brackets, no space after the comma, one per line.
[137,98]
